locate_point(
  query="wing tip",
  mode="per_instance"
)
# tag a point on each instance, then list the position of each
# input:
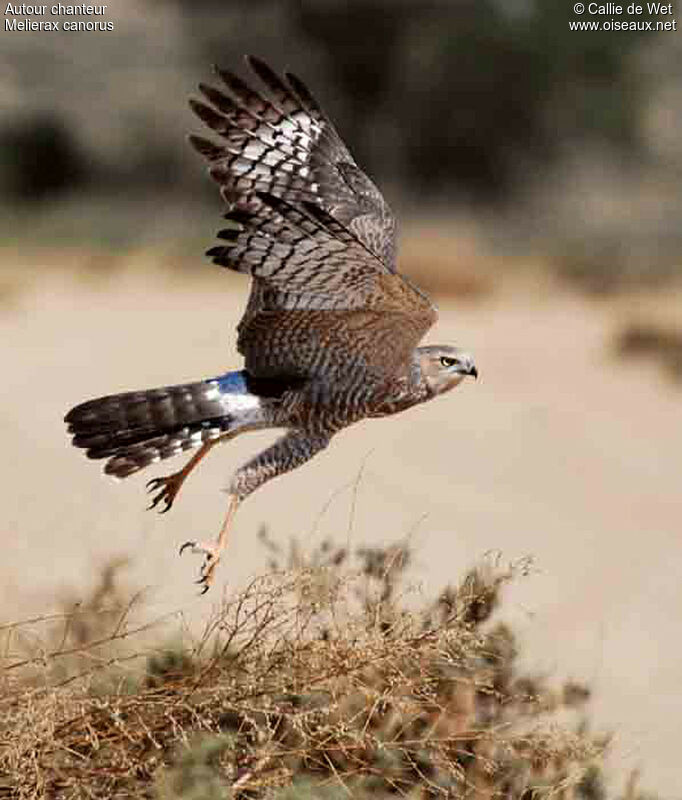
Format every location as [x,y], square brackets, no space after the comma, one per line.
[254,62]
[205,147]
[228,234]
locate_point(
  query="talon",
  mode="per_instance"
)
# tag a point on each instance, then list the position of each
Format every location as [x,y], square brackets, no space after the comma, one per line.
[212,551]
[186,544]
[168,488]
[156,500]
[211,559]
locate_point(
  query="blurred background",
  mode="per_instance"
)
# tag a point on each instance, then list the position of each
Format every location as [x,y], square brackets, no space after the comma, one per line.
[536,173]
[566,144]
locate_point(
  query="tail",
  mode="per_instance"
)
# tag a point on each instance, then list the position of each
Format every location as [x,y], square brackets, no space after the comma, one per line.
[135,429]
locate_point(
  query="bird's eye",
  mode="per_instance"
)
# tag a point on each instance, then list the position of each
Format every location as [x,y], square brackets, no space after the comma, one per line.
[447,361]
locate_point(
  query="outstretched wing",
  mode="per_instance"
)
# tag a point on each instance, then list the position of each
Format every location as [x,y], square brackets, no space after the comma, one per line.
[288,147]
[304,221]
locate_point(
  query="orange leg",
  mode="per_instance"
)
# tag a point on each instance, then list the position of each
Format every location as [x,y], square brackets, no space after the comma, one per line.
[170,485]
[293,449]
[213,550]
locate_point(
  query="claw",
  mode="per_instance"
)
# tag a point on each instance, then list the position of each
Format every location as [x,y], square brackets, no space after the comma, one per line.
[156,500]
[168,486]
[211,559]
[212,551]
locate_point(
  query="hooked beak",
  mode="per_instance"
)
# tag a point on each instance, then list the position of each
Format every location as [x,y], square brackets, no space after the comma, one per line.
[473,372]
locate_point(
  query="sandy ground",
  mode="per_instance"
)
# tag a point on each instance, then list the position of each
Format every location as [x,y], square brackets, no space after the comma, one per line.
[558,451]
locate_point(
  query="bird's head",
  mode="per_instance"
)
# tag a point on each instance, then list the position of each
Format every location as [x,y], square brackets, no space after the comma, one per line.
[444,367]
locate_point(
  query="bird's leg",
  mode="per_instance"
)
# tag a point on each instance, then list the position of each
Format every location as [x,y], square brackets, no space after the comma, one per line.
[212,551]
[169,485]
[287,453]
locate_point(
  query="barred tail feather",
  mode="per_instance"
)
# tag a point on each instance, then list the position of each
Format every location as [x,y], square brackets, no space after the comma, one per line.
[132,458]
[135,429]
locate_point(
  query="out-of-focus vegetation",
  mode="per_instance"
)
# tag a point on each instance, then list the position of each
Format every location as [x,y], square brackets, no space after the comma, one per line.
[648,340]
[566,140]
[320,679]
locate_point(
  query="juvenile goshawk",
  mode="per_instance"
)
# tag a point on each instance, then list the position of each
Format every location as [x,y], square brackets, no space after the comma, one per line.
[330,331]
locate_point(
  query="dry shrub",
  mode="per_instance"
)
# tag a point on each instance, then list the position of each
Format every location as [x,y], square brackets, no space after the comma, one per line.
[83,640]
[314,681]
[651,340]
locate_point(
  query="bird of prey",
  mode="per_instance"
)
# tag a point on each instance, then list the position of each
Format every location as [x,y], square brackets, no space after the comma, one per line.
[331,329]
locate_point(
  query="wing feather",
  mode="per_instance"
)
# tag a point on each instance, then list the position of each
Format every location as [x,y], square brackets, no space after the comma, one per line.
[287,146]
[302,249]
[308,225]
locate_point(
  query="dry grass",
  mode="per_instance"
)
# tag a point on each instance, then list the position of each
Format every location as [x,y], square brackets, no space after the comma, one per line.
[317,680]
